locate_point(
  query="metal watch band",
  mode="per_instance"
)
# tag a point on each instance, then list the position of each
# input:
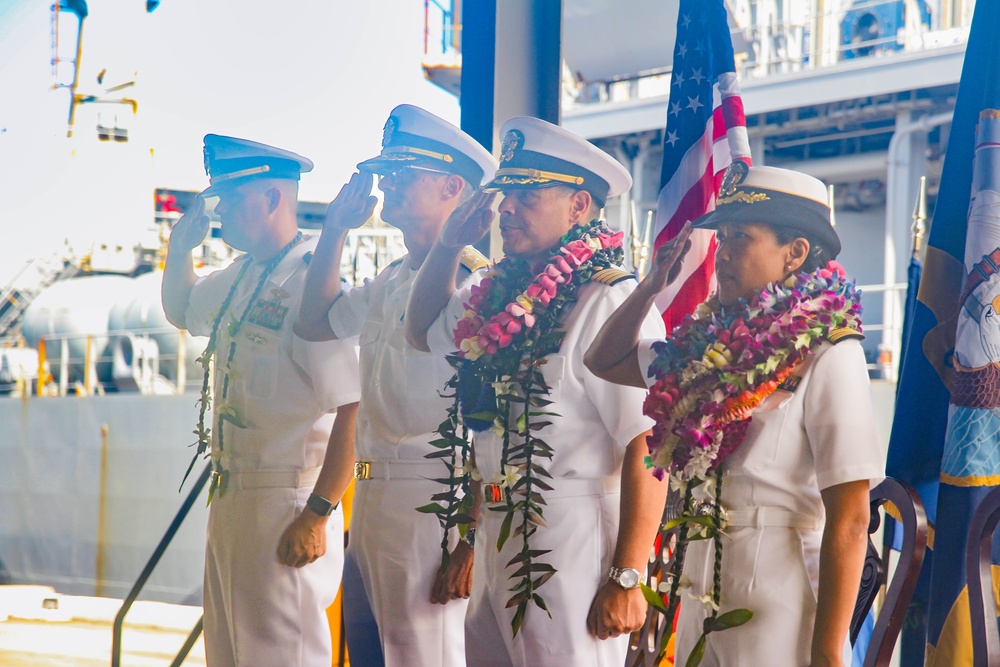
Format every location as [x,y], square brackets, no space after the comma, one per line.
[321,505]
[617,575]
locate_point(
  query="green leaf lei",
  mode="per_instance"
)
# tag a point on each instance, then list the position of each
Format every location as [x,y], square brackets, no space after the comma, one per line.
[227,413]
[511,324]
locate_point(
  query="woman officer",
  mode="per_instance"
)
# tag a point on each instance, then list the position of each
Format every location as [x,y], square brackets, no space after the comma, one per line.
[764,421]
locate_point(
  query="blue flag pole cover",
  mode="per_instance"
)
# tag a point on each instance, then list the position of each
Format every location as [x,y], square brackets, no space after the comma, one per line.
[944,440]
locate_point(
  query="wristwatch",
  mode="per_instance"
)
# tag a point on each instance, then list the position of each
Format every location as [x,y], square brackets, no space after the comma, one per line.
[470,537]
[626,577]
[321,505]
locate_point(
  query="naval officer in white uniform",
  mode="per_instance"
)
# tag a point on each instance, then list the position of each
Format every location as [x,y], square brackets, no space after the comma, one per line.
[426,168]
[275,533]
[602,509]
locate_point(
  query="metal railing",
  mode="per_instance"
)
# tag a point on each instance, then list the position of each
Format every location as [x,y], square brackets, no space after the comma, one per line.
[146,361]
[891,328]
[116,638]
[440,25]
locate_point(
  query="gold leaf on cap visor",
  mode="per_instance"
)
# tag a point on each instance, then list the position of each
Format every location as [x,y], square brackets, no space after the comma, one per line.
[743,198]
[515,176]
[410,150]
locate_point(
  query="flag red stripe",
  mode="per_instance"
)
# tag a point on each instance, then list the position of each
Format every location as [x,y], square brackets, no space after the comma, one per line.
[694,203]
[694,291]
[732,111]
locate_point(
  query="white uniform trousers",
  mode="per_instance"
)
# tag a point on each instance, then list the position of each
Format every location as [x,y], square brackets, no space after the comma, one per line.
[581,532]
[398,551]
[258,612]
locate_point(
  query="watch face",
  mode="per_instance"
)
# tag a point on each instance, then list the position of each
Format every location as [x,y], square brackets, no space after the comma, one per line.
[629,578]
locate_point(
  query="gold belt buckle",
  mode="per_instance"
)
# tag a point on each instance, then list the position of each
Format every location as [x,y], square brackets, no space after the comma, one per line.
[492,493]
[362,470]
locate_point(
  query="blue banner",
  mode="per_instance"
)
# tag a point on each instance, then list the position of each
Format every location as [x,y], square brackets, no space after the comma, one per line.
[952,462]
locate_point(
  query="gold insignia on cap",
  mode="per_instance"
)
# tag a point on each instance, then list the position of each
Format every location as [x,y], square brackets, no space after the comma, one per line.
[511,142]
[735,174]
[390,127]
[743,198]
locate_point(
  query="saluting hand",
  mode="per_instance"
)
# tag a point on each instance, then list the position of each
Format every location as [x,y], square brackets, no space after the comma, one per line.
[191,229]
[304,540]
[352,205]
[469,222]
[668,259]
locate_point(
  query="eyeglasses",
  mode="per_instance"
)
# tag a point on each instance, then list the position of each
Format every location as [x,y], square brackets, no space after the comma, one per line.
[404,174]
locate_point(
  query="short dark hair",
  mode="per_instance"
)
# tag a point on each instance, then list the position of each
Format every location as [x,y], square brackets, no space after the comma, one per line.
[818,255]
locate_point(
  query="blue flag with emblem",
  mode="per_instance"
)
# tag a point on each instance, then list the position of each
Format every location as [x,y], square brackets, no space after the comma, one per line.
[946,436]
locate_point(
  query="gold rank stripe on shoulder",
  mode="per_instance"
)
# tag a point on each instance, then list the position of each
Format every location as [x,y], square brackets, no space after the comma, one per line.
[473,260]
[611,276]
[844,333]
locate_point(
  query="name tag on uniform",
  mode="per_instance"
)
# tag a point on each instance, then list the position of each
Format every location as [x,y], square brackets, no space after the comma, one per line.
[790,384]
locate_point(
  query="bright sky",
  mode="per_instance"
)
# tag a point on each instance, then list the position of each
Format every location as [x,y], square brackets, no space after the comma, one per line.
[315,76]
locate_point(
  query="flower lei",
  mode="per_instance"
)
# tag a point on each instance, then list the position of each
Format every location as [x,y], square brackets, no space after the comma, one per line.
[510,325]
[712,372]
[226,413]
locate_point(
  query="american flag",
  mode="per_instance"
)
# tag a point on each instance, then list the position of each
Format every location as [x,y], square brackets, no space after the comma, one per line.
[706,131]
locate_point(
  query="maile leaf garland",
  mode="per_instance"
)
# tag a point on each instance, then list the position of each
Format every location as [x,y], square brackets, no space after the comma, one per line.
[510,325]
[226,413]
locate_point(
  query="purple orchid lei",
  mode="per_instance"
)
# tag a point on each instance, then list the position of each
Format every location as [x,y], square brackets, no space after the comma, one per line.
[711,373]
[720,364]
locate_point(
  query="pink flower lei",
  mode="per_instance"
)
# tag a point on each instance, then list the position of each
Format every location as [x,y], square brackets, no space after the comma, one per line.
[483,331]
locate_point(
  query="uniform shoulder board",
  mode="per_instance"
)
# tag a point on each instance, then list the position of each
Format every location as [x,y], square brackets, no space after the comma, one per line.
[472,260]
[307,257]
[611,276]
[844,333]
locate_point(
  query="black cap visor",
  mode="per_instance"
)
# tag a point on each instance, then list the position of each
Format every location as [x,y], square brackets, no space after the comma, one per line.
[777,209]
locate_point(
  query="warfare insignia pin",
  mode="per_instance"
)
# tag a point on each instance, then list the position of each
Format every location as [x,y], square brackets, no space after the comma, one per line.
[735,174]
[511,142]
[280,293]
[256,338]
[390,127]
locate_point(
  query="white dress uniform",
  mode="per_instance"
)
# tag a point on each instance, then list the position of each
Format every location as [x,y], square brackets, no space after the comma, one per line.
[798,442]
[258,611]
[397,548]
[596,421]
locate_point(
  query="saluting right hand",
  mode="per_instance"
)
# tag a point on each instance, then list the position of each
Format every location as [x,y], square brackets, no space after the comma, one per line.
[469,222]
[191,229]
[667,261]
[352,206]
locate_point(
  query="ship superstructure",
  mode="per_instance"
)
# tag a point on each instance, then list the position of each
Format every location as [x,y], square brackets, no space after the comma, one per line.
[858,93]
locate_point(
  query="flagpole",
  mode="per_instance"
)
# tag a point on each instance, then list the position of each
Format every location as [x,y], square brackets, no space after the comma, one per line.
[633,233]
[919,228]
[829,201]
[647,240]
